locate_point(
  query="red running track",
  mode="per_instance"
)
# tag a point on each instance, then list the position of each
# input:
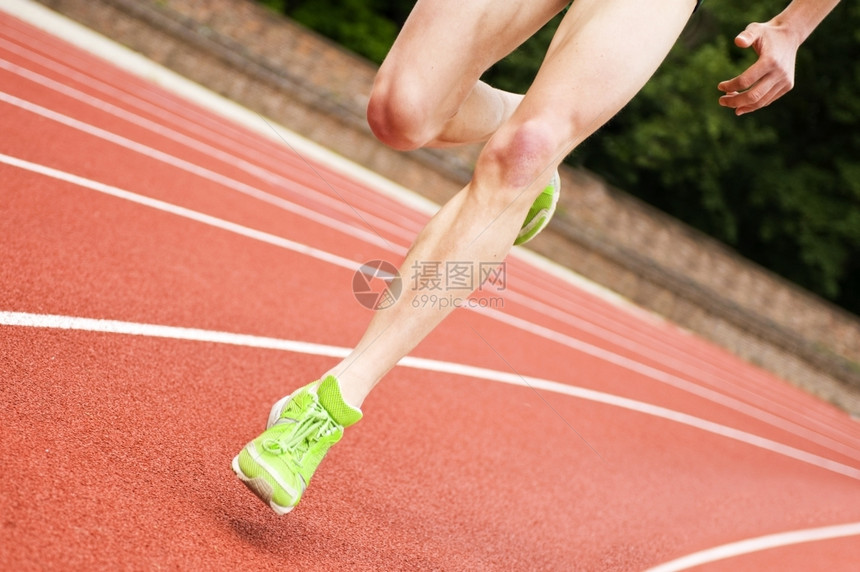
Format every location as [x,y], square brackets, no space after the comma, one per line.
[166,274]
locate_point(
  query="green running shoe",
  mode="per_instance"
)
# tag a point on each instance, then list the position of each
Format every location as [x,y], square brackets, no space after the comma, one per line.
[278,465]
[540,212]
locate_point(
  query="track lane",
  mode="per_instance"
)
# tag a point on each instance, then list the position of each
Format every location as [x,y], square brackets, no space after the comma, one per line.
[558,499]
[601,551]
[219,137]
[518,355]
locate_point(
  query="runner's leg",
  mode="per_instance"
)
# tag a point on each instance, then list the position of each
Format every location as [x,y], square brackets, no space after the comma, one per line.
[602,55]
[427,91]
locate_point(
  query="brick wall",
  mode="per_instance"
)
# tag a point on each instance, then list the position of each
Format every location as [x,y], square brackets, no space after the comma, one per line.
[273,66]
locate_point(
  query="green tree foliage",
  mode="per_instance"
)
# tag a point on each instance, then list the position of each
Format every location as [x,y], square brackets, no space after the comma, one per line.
[367,27]
[781,186]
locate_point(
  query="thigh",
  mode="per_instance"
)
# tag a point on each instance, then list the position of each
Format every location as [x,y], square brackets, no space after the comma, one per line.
[602,54]
[446,45]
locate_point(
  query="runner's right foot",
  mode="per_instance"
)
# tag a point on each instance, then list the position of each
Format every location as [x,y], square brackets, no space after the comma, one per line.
[278,465]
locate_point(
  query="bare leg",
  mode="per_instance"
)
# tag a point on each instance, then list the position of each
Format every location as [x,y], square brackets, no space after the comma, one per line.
[485,109]
[427,91]
[603,53]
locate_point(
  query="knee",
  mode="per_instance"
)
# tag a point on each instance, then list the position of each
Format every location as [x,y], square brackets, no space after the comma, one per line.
[398,115]
[517,159]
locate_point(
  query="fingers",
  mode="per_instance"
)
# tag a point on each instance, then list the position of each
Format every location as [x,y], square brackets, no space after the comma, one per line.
[744,40]
[769,78]
[761,95]
[746,80]
[754,73]
[748,37]
[758,87]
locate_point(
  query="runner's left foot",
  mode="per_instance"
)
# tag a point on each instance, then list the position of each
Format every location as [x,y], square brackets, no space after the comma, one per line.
[540,212]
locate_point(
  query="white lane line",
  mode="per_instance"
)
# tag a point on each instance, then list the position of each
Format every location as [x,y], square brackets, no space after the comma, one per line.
[23,319]
[518,323]
[134,63]
[158,103]
[170,332]
[669,379]
[202,172]
[180,211]
[758,544]
[679,361]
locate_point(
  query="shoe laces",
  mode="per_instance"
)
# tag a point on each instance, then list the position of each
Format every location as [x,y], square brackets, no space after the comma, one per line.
[315,424]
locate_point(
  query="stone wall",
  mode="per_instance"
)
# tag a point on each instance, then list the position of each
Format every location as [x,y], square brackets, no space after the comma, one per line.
[310,85]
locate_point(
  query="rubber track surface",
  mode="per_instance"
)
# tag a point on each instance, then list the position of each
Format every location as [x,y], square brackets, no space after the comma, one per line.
[116,448]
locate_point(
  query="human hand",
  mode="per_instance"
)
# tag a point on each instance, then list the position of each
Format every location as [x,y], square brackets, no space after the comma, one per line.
[771,76]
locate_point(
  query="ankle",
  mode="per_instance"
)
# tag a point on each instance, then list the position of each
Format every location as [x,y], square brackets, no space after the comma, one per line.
[331,398]
[352,392]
